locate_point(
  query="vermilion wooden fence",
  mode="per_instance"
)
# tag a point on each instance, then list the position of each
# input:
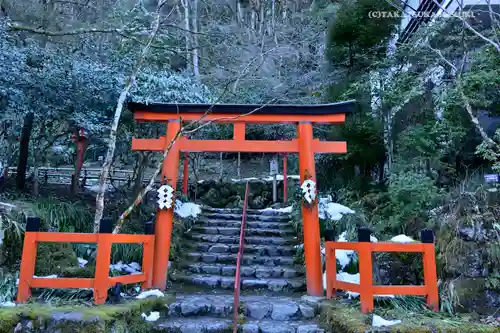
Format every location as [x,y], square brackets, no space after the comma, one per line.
[102,281]
[365,288]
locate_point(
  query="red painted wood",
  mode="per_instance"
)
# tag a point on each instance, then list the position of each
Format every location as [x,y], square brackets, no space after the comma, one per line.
[366,288]
[237,278]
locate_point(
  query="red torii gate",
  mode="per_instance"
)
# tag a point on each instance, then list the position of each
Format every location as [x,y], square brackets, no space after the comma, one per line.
[305,145]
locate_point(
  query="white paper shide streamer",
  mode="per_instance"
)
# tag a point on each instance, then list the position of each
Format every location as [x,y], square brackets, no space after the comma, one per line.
[309,190]
[165,197]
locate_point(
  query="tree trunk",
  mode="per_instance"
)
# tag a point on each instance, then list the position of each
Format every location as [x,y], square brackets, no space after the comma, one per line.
[36,182]
[273,17]
[221,166]
[196,67]
[185,5]
[24,151]
[239,165]
[261,20]
[99,212]
[253,22]
[239,12]
[142,165]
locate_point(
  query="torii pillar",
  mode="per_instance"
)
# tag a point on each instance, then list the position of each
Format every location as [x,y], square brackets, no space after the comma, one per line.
[310,218]
[164,218]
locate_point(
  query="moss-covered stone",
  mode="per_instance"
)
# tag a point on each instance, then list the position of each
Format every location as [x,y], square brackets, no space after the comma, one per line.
[38,318]
[343,318]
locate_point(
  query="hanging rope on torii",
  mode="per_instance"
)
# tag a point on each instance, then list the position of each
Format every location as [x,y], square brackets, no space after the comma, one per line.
[240,115]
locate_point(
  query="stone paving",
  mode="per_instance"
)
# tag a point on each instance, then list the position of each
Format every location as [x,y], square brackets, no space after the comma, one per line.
[212,314]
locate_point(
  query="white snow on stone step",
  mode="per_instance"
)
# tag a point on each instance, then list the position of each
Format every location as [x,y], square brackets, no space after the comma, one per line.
[153,316]
[332,210]
[378,321]
[186,209]
[281,210]
[82,262]
[402,239]
[149,293]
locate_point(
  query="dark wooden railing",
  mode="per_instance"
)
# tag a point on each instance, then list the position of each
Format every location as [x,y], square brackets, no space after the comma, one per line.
[237,278]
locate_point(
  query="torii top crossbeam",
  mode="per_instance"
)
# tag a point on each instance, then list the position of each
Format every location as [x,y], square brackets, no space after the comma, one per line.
[305,145]
[240,115]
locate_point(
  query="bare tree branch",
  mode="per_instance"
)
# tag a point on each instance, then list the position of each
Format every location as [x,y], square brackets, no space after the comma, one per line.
[477,33]
[119,107]
[17,26]
[468,107]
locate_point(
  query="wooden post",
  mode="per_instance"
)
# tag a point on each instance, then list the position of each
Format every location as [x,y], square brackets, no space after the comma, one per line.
[185,177]
[430,275]
[164,218]
[310,218]
[365,270]
[148,256]
[284,177]
[103,259]
[330,263]
[28,259]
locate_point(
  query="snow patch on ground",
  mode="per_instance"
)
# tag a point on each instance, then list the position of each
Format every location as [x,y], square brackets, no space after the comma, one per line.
[281,210]
[132,268]
[153,316]
[82,262]
[149,293]
[265,179]
[402,239]
[7,304]
[186,209]
[95,188]
[332,210]
[378,321]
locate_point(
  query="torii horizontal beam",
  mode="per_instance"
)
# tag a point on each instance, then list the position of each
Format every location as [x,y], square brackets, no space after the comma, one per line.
[236,118]
[243,146]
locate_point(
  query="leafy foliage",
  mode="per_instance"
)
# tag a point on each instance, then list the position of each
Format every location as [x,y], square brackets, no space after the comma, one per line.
[355,38]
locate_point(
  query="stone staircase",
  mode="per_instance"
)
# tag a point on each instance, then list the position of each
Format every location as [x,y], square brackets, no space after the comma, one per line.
[270,281]
[267,264]
[201,313]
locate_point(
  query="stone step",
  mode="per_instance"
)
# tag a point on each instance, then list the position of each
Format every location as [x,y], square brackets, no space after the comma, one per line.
[268,212]
[250,217]
[248,231]
[230,258]
[249,224]
[220,325]
[256,271]
[252,307]
[235,239]
[224,282]
[254,249]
